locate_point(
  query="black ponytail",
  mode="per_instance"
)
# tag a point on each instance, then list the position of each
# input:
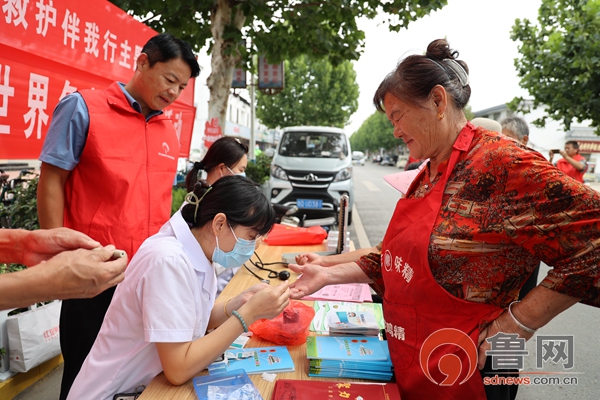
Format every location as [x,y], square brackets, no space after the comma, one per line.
[236,197]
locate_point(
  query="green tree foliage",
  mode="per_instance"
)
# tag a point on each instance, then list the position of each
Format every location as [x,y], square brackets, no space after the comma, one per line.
[177,198]
[259,170]
[375,133]
[560,61]
[279,29]
[20,213]
[315,93]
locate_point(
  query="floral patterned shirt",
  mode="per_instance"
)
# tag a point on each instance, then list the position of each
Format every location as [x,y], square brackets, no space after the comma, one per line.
[505,208]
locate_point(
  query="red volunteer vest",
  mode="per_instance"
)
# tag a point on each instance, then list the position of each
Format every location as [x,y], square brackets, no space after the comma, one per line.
[416,306]
[120,192]
[570,170]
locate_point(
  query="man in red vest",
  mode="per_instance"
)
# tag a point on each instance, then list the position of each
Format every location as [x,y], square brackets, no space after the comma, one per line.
[572,163]
[108,164]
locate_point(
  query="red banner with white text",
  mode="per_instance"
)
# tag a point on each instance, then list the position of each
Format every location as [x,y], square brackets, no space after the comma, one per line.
[49,48]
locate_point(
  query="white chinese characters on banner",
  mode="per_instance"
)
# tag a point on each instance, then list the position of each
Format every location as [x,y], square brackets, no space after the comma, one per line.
[67,89]
[14,11]
[91,38]
[109,42]
[125,54]
[70,28]
[37,103]
[46,16]
[6,91]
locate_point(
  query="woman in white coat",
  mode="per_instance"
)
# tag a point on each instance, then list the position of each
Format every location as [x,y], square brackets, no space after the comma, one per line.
[160,314]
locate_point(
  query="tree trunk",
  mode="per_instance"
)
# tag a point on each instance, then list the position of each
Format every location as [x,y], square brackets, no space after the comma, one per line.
[222,66]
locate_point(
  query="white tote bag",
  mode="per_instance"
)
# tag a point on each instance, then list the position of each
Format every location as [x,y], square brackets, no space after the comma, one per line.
[33,337]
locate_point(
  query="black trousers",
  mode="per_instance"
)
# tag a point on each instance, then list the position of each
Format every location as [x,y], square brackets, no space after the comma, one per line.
[80,322]
[499,392]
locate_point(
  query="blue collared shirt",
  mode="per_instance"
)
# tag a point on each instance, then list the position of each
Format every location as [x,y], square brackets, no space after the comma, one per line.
[68,131]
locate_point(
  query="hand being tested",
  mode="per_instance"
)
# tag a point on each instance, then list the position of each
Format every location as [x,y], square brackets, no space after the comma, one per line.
[43,244]
[86,273]
[309,258]
[314,277]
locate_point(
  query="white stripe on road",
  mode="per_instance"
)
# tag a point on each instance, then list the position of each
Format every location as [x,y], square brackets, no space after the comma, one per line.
[371,186]
[361,235]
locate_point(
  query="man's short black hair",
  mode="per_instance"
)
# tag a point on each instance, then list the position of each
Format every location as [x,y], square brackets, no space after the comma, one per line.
[166,47]
[573,143]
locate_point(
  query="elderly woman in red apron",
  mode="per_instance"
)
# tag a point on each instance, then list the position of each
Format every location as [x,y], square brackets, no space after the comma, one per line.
[472,228]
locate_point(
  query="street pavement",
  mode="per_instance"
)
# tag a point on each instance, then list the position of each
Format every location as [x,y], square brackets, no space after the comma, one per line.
[375,201]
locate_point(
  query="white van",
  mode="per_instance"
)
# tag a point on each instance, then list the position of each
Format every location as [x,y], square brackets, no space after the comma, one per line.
[311,169]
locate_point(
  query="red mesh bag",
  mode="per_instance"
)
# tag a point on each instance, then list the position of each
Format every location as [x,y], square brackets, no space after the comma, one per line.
[289,328]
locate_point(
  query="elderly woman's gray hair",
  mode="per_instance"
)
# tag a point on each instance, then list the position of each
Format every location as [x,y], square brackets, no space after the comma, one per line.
[516,125]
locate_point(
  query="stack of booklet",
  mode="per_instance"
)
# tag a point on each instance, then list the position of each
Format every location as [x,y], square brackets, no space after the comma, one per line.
[325,309]
[352,323]
[357,357]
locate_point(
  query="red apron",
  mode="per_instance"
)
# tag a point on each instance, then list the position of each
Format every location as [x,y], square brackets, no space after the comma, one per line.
[416,306]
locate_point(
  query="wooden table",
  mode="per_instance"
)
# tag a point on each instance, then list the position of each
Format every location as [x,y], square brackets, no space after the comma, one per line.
[160,388]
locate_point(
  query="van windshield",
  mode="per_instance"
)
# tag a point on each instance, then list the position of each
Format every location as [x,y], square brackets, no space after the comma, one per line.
[314,144]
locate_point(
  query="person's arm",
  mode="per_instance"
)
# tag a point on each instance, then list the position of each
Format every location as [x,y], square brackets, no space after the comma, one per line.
[182,361]
[536,309]
[578,165]
[315,277]
[51,196]
[334,259]
[223,310]
[70,274]
[32,247]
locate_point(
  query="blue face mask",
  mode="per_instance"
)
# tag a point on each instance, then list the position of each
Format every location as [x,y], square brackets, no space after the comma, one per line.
[242,251]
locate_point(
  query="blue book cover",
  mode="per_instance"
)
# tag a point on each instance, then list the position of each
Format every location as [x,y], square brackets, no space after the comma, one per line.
[260,359]
[351,348]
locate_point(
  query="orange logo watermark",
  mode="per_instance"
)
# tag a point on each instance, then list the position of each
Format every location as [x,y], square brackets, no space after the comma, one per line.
[449,364]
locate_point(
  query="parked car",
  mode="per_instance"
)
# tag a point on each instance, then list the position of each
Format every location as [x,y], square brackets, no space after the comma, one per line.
[312,169]
[401,163]
[387,160]
[358,158]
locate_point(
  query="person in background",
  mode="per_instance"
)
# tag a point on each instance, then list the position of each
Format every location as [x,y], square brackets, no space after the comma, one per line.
[572,164]
[226,156]
[162,311]
[516,128]
[475,223]
[108,164]
[66,266]
[487,123]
